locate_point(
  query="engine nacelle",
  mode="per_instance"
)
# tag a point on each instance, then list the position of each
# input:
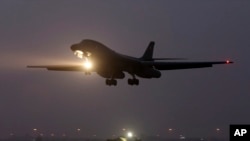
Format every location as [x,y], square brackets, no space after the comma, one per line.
[115,75]
[149,73]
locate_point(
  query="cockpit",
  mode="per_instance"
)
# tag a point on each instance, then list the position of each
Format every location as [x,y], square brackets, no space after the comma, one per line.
[81,54]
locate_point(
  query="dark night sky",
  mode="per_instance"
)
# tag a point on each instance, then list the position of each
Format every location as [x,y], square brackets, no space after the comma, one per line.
[193,102]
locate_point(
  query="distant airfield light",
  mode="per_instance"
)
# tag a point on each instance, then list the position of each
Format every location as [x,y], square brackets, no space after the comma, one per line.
[217,129]
[228,61]
[34,129]
[182,137]
[130,134]
[170,129]
[122,139]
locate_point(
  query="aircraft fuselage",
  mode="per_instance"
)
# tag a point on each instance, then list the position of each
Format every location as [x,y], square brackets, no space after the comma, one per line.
[112,65]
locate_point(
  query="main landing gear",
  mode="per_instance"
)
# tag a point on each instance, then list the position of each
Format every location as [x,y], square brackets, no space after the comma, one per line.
[87,73]
[133,81]
[111,82]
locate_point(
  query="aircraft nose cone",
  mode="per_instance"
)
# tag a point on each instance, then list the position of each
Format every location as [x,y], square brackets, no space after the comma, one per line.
[73,47]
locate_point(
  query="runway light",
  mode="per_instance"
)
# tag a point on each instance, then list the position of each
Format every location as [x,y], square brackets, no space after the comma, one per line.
[123,139]
[182,137]
[130,134]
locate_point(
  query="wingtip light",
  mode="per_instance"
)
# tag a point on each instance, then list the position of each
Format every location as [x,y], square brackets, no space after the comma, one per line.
[228,62]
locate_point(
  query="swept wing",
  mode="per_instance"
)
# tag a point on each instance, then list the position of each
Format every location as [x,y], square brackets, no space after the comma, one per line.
[61,67]
[183,65]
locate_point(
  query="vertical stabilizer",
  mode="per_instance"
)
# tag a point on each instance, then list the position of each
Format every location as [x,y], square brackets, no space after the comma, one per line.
[148,54]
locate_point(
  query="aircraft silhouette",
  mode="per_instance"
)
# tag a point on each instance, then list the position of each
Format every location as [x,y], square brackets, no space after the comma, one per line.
[112,65]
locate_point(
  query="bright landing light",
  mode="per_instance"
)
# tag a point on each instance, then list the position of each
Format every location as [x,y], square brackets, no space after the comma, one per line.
[87,64]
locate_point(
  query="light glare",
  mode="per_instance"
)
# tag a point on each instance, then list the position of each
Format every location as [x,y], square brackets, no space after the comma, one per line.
[87,64]
[79,53]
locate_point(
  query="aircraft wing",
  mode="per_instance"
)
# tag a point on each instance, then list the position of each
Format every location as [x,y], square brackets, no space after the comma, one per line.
[61,67]
[184,65]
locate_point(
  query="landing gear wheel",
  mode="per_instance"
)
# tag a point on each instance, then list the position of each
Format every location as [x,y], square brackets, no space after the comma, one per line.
[130,81]
[87,73]
[111,82]
[136,81]
[107,82]
[133,81]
